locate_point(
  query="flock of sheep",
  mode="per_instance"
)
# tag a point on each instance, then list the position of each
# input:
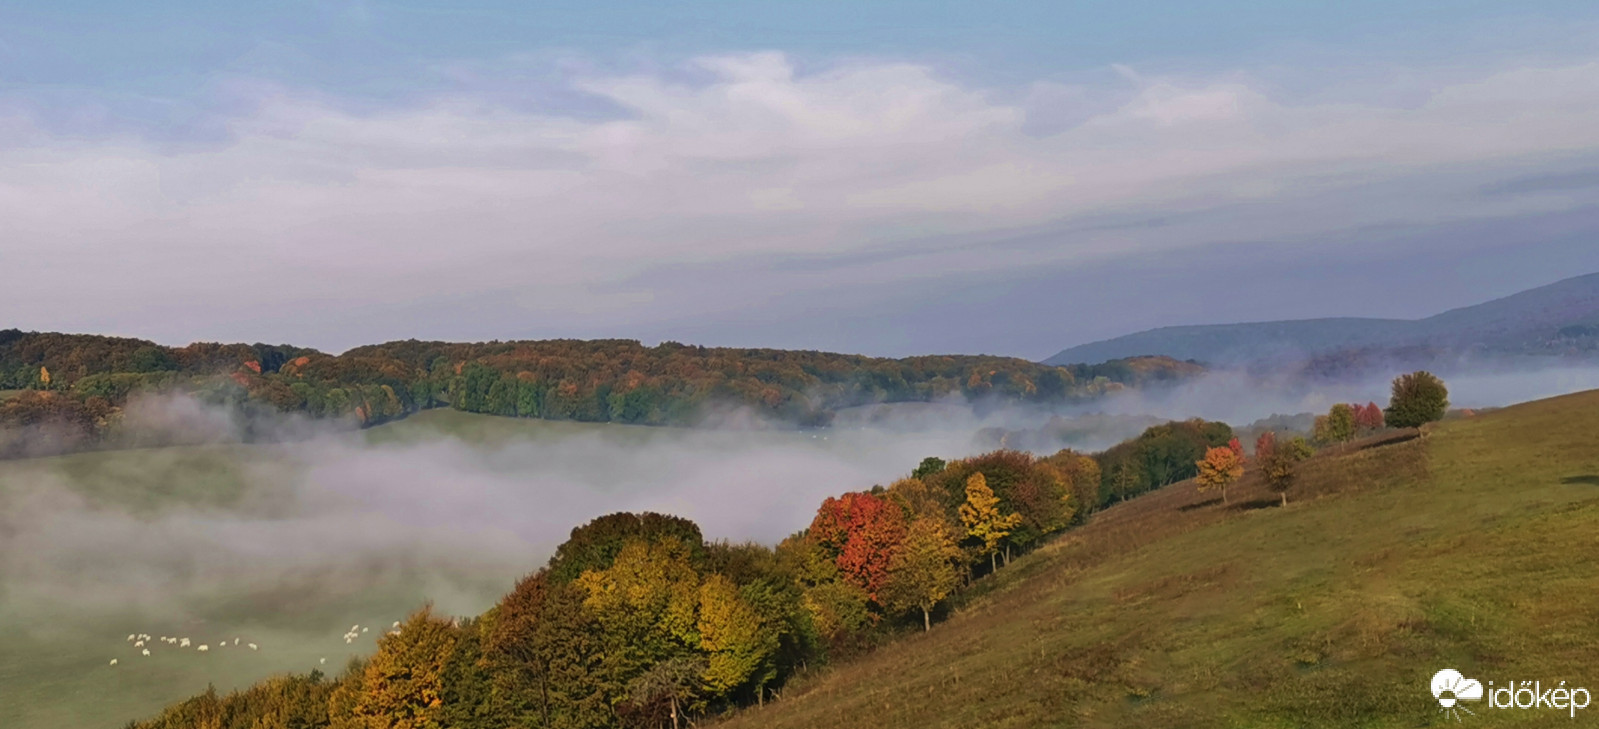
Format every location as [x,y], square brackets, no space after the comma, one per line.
[141,641]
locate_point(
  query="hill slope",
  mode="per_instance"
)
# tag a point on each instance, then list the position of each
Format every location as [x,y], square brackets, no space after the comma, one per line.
[1533,321]
[1469,548]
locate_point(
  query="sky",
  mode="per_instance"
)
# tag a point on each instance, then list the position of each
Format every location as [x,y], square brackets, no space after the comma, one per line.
[889,178]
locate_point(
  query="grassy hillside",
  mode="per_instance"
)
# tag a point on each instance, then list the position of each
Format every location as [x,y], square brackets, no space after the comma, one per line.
[1472,547]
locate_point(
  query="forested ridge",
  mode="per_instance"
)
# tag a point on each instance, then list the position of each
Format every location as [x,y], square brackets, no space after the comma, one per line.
[78,384]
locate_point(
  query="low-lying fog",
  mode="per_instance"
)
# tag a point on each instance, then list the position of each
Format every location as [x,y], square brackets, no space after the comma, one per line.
[290,544]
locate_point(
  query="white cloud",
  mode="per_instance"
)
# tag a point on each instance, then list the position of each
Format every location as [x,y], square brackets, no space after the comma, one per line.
[316,210]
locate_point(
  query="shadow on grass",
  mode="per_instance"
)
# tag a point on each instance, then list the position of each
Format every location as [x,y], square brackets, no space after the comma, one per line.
[1587,478]
[1253,504]
[1200,504]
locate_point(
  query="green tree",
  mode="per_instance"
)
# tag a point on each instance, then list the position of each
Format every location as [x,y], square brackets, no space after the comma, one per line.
[1337,426]
[1418,398]
[929,466]
[923,572]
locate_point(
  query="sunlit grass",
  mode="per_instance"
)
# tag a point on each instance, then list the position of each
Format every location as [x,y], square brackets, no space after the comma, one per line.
[1470,548]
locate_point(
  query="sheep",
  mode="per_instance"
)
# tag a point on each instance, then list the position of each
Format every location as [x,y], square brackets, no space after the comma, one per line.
[139,644]
[183,642]
[396,624]
[113,661]
[253,647]
[319,660]
[363,630]
[203,648]
[132,637]
[235,641]
[146,651]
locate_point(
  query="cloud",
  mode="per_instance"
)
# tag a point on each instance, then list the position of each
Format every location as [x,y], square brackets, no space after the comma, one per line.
[314,208]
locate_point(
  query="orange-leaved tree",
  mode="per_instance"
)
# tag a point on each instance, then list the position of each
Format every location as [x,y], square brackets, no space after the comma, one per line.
[1219,467]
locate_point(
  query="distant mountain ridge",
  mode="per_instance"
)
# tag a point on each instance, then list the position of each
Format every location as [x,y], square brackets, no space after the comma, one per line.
[1560,318]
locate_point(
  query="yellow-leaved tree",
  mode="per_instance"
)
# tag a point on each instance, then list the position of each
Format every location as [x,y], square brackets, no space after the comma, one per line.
[738,643]
[983,521]
[402,685]
[923,571]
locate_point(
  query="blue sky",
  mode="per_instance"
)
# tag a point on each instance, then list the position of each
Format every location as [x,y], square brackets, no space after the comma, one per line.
[884,177]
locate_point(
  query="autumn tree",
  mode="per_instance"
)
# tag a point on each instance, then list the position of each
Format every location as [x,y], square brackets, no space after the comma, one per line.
[1337,426]
[1219,468]
[863,530]
[983,520]
[1278,462]
[1418,398]
[924,571]
[1368,417]
[665,687]
[646,604]
[738,643]
[402,685]
[546,649]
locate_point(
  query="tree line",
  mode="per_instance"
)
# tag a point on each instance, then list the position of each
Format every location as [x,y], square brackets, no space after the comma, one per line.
[79,383]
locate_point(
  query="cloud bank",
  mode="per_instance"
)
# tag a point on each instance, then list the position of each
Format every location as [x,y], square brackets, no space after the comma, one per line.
[737,183]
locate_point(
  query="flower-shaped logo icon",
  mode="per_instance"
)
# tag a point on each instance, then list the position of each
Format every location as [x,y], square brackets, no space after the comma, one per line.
[1450,688]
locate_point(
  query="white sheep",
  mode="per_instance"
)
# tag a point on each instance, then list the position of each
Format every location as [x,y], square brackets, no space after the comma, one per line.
[235,641]
[113,661]
[183,642]
[203,648]
[396,624]
[139,644]
[146,651]
[363,630]
[253,647]
[132,637]
[319,660]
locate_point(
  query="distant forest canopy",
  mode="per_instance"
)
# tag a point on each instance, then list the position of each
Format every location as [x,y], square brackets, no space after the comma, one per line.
[79,382]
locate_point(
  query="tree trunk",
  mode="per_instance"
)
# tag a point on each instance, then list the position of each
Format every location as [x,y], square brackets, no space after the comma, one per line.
[674,712]
[1007,555]
[993,561]
[1224,495]
[1285,498]
[927,622]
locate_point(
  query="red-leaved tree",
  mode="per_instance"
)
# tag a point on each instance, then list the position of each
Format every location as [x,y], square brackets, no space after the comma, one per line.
[865,531]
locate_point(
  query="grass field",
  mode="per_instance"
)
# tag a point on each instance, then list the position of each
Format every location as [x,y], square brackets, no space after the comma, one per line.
[1473,547]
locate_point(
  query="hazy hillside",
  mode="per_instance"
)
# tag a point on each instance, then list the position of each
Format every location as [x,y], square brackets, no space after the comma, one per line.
[1554,319]
[1454,550]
